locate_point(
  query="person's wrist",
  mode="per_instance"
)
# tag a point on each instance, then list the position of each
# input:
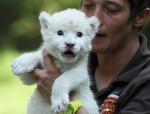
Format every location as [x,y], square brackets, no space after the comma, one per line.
[81,110]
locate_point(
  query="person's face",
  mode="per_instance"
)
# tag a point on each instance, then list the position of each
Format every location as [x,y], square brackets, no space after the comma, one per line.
[115,28]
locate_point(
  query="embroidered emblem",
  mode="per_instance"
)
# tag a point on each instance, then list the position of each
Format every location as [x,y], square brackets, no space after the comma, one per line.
[108,107]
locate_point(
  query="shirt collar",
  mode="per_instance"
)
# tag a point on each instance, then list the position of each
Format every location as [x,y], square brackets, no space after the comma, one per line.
[135,64]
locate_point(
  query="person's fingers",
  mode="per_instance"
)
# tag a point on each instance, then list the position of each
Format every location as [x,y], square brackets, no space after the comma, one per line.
[44,88]
[50,66]
[43,85]
[38,73]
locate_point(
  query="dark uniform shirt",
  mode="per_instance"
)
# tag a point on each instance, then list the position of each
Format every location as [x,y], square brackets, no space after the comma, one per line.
[132,83]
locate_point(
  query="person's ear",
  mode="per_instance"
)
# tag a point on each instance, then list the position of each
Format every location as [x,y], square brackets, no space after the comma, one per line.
[142,17]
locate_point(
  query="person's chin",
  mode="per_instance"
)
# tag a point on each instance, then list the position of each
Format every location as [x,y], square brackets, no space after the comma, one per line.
[97,50]
[99,39]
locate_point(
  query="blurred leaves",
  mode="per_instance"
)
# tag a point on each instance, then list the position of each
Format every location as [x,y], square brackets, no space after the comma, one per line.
[19,24]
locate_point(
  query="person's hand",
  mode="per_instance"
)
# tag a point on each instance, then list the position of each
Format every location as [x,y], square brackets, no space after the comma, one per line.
[82,110]
[46,77]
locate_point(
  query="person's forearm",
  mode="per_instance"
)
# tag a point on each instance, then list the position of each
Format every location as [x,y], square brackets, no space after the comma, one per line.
[82,110]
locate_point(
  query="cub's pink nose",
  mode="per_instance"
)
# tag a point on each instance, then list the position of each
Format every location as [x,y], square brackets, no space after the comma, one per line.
[69,45]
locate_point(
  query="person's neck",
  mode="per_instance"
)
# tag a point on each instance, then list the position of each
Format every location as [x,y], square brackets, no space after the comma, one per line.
[111,64]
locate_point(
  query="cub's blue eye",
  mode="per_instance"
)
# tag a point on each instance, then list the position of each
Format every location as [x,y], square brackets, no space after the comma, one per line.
[79,34]
[60,32]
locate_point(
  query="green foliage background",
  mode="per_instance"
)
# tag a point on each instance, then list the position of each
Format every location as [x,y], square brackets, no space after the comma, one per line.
[19,24]
[20,32]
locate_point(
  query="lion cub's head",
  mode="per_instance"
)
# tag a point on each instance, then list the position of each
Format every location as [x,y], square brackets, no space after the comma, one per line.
[67,34]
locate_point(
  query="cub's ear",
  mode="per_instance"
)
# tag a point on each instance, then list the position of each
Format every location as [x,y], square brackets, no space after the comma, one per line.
[94,23]
[45,20]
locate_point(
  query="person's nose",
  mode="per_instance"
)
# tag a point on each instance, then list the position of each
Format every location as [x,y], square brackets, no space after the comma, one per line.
[99,14]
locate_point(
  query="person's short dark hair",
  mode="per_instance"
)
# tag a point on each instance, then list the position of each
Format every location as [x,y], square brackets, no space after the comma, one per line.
[136,6]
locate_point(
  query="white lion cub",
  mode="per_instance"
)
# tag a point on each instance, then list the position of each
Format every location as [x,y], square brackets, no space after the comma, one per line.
[67,37]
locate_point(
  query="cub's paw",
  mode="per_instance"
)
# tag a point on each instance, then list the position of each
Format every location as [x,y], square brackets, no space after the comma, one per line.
[24,64]
[60,102]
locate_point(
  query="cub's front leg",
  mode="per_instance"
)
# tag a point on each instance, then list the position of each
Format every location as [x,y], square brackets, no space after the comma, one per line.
[26,63]
[64,84]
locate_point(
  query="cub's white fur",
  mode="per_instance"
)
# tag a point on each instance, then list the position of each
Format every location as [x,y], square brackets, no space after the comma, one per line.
[67,37]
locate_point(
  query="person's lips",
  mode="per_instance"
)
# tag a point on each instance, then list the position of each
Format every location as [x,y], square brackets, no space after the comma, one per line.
[100,34]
